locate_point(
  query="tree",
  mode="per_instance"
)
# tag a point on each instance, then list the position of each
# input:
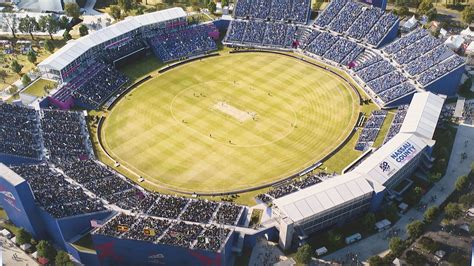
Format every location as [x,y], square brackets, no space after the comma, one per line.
[462,182]
[426,8]
[32,56]
[16,67]
[429,244]
[126,5]
[471,228]
[3,75]
[369,221]
[72,10]
[467,14]
[334,238]
[63,259]
[23,237]
[83,30]
[66,35]
[13,89]
[49,46]
[225,3]
[10,19]
[49,24]
[212,7]
[452,211]
[317,5]
[396,246]
[467,200]
[25,80]
[376,261]
[415,258]
[115,12]
[28,25]
[391,212]
[415,229]
[63,22]
[46,250]
[303,254]
[430,214]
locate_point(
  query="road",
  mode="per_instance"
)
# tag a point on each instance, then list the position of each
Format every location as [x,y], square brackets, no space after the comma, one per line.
[378,243]
[13,255]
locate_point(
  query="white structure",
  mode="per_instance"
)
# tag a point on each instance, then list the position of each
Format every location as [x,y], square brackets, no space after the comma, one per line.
[71,56]
[338,199]
[410,24]
[454,42]
[468,34]
[43,5]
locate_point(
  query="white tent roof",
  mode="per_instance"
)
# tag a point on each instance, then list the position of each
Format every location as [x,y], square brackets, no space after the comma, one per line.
[323,196]
[467,32]
[423,114]
[409,24]
[10,176]
[391,157]
[470,48]
[454,41]
[74,49]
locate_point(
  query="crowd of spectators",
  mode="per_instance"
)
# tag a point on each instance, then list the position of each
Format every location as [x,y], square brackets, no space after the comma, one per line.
[296,11]
[65,135]
[228,213]
[57,196]
[212,238]
[440,69]
[199,211]
[304,182]
[371,130]
[183,42]
[181,234]
[423,56]
[168,206]
[396,122]
[343,51]
[123,48]
[263,33]
[282,190]
[147,229]
[322,43]
[357,20]
[19,131]
[92,85]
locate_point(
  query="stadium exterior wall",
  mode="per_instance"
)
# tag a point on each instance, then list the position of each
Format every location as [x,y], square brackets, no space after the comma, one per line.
[270,233]
[115,251]
[86,258]
[378,3]
[18,201]
[64,229]
[448,84]
[17,160]
[403,100]
[221,24]
[391,35]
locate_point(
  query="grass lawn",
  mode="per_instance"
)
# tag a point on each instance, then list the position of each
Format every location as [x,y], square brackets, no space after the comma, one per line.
[6,60]
[37,88]
[195,129]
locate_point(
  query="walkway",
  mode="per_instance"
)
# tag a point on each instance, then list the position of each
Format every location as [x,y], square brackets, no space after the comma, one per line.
[8,252]
[378,243]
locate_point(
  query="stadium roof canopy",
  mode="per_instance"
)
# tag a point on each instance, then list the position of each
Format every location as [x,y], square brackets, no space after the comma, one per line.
[10,176]
[326,195]
[423,114]
[391,157]
[74,49]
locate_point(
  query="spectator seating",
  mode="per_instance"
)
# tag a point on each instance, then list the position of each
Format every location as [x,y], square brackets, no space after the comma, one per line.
[396,123]
[19,131]
[295,11]
[183,42]
[65,135]
[371,130]
[56,195]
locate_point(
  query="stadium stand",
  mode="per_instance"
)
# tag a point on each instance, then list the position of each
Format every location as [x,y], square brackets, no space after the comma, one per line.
[65,135]
[396,122]
[296,11]
[19,131]
[57,196]
[183,42]
[371,130]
